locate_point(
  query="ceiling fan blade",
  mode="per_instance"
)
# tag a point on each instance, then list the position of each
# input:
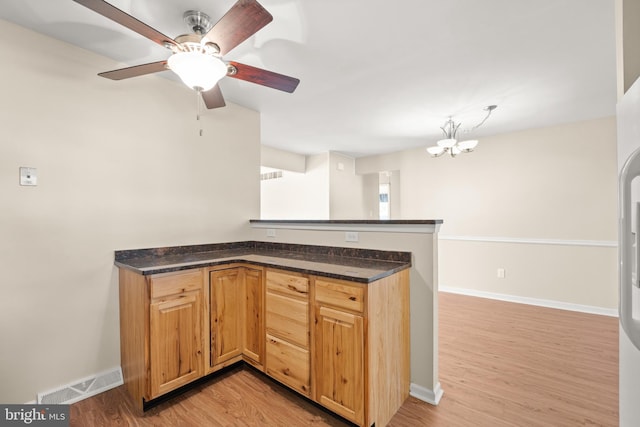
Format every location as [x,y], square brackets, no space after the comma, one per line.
[264,77]
[109,11]
[136,70]
[242,21]
[213,98]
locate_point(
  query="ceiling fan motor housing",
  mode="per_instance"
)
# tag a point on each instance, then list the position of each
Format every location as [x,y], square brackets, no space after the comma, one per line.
[199,22]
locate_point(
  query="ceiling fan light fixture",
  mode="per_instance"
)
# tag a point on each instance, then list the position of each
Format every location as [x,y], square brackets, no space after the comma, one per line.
[197,70]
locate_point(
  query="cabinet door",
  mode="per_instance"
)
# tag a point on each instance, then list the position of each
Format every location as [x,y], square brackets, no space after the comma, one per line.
[252,293]
[339,371]
[175,342]
[225,305]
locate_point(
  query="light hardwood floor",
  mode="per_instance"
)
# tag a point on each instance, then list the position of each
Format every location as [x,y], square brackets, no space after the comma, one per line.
[501,364]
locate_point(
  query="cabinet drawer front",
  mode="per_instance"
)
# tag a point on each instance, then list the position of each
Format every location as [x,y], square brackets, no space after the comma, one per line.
[287,284]
[288,318]
[289,364]
[176,283]
[350,297]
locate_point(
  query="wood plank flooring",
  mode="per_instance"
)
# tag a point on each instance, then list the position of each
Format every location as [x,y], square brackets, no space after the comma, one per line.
[501,364]
[507,364]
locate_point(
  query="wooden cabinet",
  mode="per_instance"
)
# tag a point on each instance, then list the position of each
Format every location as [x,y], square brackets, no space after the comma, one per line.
[225,302]
[342,344]
[287,330]
[361,357]
[252,291]
[161,325]
[340,362]
[176,341]
[236,316]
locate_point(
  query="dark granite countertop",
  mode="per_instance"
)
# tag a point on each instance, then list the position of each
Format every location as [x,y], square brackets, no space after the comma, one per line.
[360,265]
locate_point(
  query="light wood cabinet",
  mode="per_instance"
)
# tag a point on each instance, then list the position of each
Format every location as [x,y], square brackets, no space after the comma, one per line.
[225,303]
[252,291]
[342,344]
[236,304]
[361,356]
[340,362]
[287,327]
[161,332]
[176,341]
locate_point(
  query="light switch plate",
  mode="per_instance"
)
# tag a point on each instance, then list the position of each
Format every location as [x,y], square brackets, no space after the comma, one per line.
[28,176]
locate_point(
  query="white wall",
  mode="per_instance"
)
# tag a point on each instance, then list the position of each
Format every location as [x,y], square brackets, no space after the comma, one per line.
[120,166]
[371,195]
[556,184]
[328,189]
[346,193]
[279,159]
[298,195]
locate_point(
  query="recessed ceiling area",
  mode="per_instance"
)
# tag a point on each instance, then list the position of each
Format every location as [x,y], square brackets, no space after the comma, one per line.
[379,76]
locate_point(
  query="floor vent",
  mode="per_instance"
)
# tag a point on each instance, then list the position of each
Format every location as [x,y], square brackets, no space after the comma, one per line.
[81,389]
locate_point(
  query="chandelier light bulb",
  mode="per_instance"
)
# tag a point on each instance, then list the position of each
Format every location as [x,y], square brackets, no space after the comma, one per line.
[468,145]
[447,142]
[436,151]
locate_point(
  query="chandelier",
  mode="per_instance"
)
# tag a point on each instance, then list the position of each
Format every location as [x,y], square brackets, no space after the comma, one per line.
[450,144]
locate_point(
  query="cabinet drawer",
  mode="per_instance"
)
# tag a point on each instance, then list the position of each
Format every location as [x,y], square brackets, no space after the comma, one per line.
[289,364]
[287,284]
[288,318]
[176,283]
[350,297]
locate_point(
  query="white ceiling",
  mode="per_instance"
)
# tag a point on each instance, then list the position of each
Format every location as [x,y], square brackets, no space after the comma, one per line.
[379,76]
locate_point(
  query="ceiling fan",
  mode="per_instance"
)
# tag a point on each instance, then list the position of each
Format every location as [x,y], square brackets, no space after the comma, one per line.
[197,57]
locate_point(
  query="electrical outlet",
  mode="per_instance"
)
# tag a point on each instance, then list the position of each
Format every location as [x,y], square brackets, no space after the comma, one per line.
[351,236]
[271,232]
[501,273]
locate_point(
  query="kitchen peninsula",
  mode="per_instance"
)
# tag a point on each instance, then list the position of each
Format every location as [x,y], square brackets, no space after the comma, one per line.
[420,237]
[331,323]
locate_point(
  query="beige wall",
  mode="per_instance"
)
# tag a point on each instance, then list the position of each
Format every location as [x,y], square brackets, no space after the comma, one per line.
[297,195]
[555,184]
[279,159]
[346,199]
[324,191]
[371,195]
[627,43]
[120,166]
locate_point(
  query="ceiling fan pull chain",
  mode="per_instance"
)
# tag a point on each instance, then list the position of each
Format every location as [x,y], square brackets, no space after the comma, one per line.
[198,110]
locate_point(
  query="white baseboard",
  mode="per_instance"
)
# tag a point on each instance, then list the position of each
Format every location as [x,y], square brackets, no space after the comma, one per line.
[426,395]
[532,301]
